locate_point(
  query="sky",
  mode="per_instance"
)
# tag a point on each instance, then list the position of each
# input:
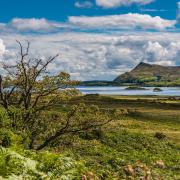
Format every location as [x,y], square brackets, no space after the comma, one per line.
[96,39]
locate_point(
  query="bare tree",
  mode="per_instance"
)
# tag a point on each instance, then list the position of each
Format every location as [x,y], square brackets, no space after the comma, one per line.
[29,80]
[29,87]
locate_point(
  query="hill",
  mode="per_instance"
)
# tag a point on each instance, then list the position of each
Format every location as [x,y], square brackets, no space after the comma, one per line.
[151,74]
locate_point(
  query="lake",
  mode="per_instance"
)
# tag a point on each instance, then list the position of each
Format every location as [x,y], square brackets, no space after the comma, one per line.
[110,90]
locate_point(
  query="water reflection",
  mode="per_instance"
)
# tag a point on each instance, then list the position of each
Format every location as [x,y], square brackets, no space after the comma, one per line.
[166,91]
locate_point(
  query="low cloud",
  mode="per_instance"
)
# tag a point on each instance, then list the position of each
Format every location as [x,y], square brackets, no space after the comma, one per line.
[85,4]
[154,51]
[30,24]
[124,21]
[152,10]
[90,56]
[2,48]
[118,3]
[107,23]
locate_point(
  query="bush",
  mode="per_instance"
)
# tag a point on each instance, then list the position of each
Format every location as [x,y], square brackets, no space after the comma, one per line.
[59,166]
[160,135]
[8,138]
[5,137]
[15,166]
[4,119]
[92,134]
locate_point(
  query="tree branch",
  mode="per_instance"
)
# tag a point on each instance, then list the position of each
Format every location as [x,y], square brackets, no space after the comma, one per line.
[65,130]
[3,96]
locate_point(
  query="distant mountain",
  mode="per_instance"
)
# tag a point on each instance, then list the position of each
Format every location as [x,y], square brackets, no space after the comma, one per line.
[151,74]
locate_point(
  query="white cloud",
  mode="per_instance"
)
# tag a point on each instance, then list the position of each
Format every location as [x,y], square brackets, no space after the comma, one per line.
[152,10]
[88,56]
[155,51]
[124,21]
[118,3]
[85,4]
[94,54]
[83,23]
[2,48]
[119,57]
[18,25]
[30,24]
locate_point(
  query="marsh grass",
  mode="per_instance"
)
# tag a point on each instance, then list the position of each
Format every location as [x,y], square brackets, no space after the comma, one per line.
[127,148]
[131,139]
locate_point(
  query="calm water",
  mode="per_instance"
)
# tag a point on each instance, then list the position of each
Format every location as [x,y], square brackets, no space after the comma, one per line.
[167,91]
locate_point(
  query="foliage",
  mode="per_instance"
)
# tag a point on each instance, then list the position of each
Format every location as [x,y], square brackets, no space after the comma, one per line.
[160,135]
[4,118]
[60,166]
[79,118]
[114,151]
[28,91]
[44,165]
[127,148]
[8,138]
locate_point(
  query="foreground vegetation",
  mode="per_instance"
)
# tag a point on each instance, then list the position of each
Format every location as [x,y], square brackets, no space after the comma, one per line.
[142,142]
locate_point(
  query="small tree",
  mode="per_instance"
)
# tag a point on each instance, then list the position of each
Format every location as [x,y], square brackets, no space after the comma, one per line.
[27,90]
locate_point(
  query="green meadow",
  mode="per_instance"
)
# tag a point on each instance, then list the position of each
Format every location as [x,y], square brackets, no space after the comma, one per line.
[143,142]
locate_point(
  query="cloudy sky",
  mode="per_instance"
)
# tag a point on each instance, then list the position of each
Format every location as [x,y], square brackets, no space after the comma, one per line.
[96,39]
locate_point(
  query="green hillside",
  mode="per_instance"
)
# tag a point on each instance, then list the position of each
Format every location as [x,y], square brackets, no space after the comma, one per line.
[148,74]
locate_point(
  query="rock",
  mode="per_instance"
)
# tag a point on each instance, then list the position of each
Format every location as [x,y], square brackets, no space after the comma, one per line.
[89,176]
[160,164]
[130,170]
[157,89]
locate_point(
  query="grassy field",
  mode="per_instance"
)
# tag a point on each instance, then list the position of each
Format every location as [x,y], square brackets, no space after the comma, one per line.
[142,143]
[132,140]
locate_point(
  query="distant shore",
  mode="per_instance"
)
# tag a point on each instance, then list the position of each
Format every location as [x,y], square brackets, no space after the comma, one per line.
[111,83]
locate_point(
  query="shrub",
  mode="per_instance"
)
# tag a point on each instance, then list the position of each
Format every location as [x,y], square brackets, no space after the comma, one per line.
[4,119]
[159,135]
[5,137]
[15,166]
[60,166]
[92,134]
[8,138]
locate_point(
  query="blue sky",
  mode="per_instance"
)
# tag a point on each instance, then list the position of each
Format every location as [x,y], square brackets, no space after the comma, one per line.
[97,39]
[59,10]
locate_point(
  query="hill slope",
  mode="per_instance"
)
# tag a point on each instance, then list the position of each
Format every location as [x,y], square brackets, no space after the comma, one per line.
[149,74]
